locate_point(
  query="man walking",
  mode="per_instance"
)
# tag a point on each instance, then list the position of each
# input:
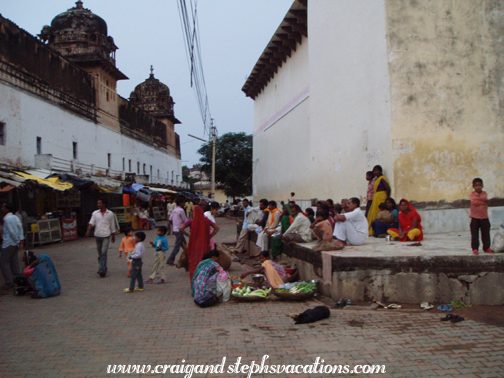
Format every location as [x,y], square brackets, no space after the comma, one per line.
[104,223]
[177,218]
[13,238]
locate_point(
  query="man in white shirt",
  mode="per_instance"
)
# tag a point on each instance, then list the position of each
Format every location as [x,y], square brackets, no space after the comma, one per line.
[169,209]
[299,231]
[352,227]
[13,238]
[104,223]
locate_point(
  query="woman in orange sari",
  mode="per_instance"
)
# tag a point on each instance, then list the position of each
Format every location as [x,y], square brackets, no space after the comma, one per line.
[199,239]
[381,193]
[410,227]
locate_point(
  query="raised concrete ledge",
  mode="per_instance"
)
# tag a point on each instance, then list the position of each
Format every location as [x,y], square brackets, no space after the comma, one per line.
[441,270]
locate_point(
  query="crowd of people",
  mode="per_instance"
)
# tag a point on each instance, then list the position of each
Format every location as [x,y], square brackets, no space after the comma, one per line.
[336,225]
[333,225]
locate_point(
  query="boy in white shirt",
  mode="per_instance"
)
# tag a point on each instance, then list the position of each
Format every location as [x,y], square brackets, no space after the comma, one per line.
[136,264]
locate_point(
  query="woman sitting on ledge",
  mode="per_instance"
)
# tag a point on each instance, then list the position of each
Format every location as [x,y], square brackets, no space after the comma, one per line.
[410,227]
[380,227]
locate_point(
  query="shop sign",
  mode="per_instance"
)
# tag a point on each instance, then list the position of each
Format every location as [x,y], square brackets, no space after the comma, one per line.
[69,229]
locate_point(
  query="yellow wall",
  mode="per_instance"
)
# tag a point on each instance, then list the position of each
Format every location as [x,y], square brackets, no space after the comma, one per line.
[106,97]
[447,99]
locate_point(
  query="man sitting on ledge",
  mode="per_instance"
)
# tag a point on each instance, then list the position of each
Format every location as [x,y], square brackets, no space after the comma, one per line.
[299,231]
[351,227]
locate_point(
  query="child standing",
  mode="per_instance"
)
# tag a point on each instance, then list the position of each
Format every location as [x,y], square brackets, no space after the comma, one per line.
[161,245]
[127,246]
[370,178]
[479,218]
[136,264]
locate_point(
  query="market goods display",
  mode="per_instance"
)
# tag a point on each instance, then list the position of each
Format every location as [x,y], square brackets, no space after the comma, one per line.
[296,291]
[249,293]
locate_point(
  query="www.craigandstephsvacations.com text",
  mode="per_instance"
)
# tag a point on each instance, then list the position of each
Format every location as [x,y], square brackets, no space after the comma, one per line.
[187,370]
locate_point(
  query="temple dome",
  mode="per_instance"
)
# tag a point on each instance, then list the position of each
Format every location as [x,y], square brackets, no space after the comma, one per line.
[153,97]
[81,36]
[81,19]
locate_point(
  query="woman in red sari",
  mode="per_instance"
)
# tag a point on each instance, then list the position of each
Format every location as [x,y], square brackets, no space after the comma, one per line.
[199,239]
[410,227]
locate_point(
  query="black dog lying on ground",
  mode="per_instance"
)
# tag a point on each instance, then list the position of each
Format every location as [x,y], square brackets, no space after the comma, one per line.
[312,315]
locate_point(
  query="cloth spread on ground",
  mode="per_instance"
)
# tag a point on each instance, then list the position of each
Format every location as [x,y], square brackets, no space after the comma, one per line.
[199,240]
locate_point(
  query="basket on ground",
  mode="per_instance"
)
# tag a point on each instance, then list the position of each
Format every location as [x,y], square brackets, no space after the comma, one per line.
[248,298]
[293,296]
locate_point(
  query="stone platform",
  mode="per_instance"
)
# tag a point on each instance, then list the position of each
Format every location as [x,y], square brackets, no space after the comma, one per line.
[442,269]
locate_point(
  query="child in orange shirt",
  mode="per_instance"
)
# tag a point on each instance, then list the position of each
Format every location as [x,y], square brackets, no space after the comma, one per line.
[479,218]
[127,246]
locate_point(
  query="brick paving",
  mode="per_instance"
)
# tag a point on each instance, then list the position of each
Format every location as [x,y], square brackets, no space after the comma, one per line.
[93,324]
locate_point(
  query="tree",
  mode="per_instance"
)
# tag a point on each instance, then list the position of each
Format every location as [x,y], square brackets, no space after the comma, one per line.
[187,178]
[233,163]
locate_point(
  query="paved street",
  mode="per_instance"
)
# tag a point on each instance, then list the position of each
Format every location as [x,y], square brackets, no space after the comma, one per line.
[92,324]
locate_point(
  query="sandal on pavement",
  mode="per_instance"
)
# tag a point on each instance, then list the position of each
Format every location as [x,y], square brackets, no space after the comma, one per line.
[448,308]
[393,306]
[447,317]
[426,306]
[442,308]
[340,304]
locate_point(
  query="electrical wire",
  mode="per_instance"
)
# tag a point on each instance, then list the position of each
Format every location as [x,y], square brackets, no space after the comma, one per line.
[190,30]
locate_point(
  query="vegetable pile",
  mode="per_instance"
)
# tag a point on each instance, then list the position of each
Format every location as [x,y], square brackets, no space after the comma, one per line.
[248,291]
[299,288]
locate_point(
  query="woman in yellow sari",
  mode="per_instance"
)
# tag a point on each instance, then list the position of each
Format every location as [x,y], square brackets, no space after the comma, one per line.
[381,193]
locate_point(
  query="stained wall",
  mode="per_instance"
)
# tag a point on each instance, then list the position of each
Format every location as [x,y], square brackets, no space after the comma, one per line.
[447,97]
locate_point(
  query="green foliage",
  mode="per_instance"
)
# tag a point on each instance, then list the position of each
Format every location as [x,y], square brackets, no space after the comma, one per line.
[187,178]
[233,163]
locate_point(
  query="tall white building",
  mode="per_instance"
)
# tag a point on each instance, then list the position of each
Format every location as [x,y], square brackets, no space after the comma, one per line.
[415,86]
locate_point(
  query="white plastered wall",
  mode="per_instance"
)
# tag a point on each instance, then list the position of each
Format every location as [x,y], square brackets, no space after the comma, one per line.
[281,131]
[350,128]
[27,117]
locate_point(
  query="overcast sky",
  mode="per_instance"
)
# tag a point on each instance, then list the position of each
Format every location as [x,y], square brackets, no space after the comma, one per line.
[233,35]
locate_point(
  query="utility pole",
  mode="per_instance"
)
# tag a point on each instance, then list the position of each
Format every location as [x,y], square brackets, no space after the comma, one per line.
[213,132]
[213,135]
